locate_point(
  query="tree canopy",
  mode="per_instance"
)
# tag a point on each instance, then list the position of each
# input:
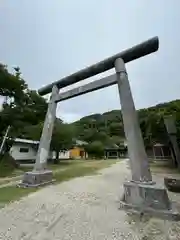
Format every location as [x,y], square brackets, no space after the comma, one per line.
[24,110]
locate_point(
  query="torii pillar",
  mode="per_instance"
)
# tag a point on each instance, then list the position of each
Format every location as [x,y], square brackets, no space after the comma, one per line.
[141,194]
[172,134]
[40,174]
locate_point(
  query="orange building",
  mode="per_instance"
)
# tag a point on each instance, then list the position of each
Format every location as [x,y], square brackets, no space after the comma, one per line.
[78,151]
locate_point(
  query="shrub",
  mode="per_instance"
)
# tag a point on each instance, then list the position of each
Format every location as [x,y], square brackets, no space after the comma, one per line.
[7,165]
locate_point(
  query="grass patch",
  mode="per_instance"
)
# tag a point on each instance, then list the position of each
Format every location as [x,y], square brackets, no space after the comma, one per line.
[7,165]
[71,170]
[63,164]
[82,169]
[161,166]
[7,172]
[12,193]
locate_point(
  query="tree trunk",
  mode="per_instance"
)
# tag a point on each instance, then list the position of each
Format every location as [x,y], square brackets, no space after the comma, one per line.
[56,160]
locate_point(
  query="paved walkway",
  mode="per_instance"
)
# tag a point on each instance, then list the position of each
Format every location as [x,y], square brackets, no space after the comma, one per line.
[83,208]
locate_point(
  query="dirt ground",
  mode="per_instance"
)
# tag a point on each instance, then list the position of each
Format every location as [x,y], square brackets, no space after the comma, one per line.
[83,208]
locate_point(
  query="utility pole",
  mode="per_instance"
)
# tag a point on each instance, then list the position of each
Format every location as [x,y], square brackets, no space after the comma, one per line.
[4,139]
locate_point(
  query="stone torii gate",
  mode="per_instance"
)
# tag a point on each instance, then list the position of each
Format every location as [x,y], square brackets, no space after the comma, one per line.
[141,193]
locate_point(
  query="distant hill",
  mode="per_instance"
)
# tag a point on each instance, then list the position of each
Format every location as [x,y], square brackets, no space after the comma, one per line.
[108,127]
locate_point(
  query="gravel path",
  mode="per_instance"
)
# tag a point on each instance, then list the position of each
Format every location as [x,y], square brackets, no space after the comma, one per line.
[82,208]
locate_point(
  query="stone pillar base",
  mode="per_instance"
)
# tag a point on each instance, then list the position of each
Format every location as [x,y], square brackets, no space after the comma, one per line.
[37,178]
[148,199]
[172,184]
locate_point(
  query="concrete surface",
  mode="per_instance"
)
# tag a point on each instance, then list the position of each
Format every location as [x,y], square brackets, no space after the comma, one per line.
[37,178]
[136,149]
[83,208]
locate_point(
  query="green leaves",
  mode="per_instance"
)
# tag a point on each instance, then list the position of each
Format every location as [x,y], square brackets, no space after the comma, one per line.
[23,107]
[12,86]
[95,149]
[62,137]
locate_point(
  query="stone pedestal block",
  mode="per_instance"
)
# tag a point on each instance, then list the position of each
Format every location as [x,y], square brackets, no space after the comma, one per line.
[149,199]
[172,184]
[37,178]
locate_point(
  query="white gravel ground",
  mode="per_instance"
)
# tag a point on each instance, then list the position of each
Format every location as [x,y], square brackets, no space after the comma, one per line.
[80,209]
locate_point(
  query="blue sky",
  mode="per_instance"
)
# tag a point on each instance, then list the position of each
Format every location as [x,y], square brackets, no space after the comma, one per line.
[51,39]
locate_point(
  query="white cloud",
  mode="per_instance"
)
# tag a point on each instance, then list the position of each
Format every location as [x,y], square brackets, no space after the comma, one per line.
[69,117]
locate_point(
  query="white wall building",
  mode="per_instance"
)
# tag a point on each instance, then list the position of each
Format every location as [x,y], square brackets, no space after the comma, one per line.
[24,150]
[62,155]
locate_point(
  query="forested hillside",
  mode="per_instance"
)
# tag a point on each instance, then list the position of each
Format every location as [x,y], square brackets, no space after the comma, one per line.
[108,127]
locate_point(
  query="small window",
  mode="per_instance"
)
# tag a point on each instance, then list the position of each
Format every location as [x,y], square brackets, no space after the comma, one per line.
[24,150]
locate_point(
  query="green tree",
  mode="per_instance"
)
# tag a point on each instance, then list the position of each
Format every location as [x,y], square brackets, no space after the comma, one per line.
[22,107]
[116,129]
[12,86]
[95,149]
[62,138]
[117,140]
[32,132]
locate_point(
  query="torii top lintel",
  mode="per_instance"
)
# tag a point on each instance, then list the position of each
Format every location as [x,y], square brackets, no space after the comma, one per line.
[128,55]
